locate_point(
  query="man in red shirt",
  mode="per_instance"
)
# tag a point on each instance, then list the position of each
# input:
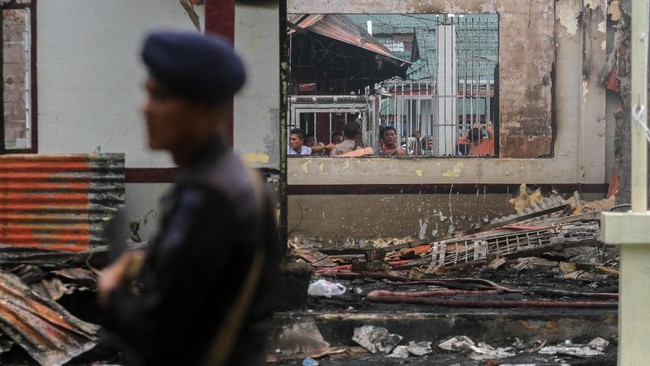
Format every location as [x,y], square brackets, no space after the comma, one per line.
[482,146]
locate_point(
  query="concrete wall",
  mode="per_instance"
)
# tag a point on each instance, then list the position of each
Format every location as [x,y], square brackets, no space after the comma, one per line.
[551,106]
[342,220]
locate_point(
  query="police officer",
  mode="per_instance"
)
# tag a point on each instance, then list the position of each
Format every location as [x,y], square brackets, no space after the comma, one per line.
[207,279]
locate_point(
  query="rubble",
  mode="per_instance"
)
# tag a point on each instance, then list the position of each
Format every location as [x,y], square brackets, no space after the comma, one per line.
[419,348]
[46,330]
[484,351]
[517,241]
[593,348]
[301,338]
[460,343]
[548,256]
[47,305]
[480,351]
[376,339]
[400,352]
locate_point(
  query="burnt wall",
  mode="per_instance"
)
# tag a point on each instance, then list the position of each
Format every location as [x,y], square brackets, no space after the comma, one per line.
[526,55]
[552,128]
[338,219]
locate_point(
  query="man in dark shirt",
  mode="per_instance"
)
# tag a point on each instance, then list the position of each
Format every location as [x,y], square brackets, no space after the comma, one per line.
[391,147]
[207,279]
[351,132]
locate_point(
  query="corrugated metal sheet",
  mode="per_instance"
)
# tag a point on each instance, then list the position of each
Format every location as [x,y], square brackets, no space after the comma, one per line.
[341,28]
[58,201]
[46,330]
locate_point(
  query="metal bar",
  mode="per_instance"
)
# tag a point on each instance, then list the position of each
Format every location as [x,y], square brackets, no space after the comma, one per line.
[314,129]
[477,94]
[284,123]
[28,82]
[330,129]
[488,110]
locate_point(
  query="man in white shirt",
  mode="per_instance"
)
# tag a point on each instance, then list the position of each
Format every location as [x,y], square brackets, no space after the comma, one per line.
[297,143]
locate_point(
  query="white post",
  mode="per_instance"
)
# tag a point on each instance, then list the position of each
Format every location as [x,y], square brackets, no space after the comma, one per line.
[447,82]
[632,229]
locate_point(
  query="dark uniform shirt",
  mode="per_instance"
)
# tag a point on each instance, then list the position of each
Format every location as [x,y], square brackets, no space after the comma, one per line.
[211,227]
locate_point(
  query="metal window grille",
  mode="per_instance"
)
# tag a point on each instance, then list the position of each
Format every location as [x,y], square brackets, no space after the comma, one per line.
[451,96]
[322,115]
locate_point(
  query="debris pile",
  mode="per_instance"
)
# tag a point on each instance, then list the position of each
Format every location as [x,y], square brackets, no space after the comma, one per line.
[380,343]
[548,255]
[47,304]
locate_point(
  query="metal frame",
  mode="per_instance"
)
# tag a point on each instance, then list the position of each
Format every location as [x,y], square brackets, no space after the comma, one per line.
[365,105]
[31,98]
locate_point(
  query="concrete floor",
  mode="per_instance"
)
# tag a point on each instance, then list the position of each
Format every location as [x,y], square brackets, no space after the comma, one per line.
[336,319]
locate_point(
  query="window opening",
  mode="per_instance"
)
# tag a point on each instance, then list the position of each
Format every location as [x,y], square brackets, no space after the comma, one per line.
[433,77]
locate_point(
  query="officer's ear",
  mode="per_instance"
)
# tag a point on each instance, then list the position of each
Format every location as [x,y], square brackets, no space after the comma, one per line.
[216,111]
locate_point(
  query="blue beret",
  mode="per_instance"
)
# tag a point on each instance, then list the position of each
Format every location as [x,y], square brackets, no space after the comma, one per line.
[200,67]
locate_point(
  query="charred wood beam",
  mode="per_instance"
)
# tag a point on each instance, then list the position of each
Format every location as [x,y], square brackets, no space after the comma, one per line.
[50,259]
[389,297]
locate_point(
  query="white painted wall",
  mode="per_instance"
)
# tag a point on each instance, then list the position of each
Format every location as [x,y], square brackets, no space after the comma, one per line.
[257,126]
[90,75]
[142,202]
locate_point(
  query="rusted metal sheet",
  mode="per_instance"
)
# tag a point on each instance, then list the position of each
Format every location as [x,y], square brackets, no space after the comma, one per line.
[50,334]
[58,201]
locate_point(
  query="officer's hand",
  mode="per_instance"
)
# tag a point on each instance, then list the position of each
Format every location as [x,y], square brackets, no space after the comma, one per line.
[118,272]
